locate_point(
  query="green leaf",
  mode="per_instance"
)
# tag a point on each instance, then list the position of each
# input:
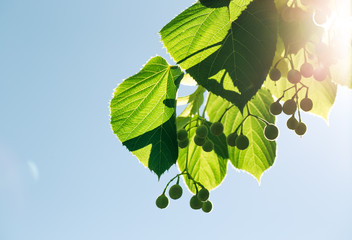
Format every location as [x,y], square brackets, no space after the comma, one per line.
[261,153]
[228,49]
[143,114]
[208,168]
[323,94]
[181,122]
[194,101]
[187,80]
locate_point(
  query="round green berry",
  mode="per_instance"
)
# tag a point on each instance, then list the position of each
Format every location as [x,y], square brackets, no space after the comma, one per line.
[175,191]
[306,104]
[320,74]
[203,194]
[208,146]
[275,108]
[242,142]
[301,129]
[271,132]
[289,107]
[307,70]
[199,141]
[207,206]
[184,143]
[294,76]
[292,123]
[162,201]
[231,139]
[202,131]
[182,135]
[275,74]
[195,203]
[216,128]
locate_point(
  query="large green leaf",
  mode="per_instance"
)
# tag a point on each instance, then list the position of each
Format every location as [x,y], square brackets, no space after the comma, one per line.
[208,168]
[323,94]
[227,48]
[261,153]
[143,114]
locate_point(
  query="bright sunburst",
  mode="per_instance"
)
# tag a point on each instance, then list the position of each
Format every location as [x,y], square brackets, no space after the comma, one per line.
[338,32]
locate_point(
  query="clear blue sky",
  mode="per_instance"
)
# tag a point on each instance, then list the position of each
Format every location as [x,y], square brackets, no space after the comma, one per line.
[65,176]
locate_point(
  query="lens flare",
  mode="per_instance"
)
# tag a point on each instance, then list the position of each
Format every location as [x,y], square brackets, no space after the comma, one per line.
[337,33]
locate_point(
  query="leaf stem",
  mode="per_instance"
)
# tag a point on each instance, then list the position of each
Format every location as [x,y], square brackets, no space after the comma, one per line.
[223,114]
[283,93]
[192,120]
[206,105]
[189,142]
[172,179]
[291,62]
[299,115]
[297,91]
[244,119]
[194,181]
[278,61]
[305,54]
[259,118]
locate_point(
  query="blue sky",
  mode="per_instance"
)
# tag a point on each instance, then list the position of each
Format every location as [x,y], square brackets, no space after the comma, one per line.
[64,175]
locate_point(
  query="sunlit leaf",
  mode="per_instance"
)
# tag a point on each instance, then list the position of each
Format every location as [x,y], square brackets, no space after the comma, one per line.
[261,153]
[208,168]
[143,114]
[323,94]
[227,48]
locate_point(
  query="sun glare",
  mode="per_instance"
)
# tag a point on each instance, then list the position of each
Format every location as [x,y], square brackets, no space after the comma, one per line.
[338,31]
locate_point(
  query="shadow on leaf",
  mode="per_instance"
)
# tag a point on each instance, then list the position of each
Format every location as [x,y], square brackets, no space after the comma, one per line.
[164,148]
[220,145]
[238,68]
[171,103]
[215,4]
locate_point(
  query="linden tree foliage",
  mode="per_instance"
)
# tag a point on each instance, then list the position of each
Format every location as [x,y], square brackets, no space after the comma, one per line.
[209,168]
[322,93]
[143,114]
[193,102]
[248,62]
[227,48]
[260,154]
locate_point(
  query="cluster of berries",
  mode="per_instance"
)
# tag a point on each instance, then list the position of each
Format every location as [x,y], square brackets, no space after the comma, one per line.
[234,139]
[198,201]
[239,141]
[325,55]
[182,138]
[201,138]
[293,104]
[322,55]
[290,108]
[271,132]
[306,70]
